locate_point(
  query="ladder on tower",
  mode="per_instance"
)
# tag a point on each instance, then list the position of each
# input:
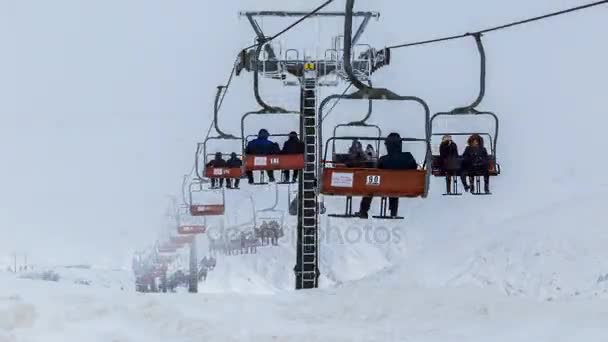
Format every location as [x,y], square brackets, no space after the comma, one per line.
[307,266]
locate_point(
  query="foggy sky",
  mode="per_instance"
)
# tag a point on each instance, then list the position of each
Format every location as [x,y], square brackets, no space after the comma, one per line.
[102,102]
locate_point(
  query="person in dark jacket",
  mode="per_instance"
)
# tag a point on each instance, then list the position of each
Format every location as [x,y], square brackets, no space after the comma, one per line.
[357,156]
[448,160]
[262,146]
[217,162]
[475,162]
[395,159]
[293,145]
[233,163]
[370,153]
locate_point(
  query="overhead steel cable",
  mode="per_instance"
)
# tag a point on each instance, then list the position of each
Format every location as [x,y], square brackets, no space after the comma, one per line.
[338,101]
[236,62]
[504,26]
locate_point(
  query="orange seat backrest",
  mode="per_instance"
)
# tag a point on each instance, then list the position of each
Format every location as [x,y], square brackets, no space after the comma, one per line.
[207,209]
[274,162]
[191,229]
[343,181]
[223,172]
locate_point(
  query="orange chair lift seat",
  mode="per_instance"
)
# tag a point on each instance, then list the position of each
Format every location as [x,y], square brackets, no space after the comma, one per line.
[191,229]
[345,181]
[207,209]
[274,162]
[223,172]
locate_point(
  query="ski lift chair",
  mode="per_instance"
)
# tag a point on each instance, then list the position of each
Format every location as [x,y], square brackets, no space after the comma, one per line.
[340,180]
[472,111]
[204,209]
[189,226]
[211,172]
[489,138]
[342,157]
[272,162]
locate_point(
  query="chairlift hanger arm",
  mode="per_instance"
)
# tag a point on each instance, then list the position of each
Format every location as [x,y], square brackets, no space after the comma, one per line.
[370,110]
[256,83]
[472,108]
[184,197]
[364,91]
[216,110]
[197,166]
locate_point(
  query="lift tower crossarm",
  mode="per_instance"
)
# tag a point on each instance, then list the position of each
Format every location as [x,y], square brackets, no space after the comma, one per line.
[367,16]
[372,14]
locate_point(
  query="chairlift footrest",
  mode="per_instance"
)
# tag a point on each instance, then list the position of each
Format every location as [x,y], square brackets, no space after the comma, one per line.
[389,217]
[343,215]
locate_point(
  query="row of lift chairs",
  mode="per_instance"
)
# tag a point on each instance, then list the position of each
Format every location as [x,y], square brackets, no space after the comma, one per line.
[336,178]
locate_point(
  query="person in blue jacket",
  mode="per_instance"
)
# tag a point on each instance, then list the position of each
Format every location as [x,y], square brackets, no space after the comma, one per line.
[262,146]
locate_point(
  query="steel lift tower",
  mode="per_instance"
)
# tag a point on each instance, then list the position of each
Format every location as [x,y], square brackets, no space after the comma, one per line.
[293,68]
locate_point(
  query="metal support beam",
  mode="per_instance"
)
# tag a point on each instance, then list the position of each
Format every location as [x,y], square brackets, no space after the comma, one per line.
[193,274]
[371,14]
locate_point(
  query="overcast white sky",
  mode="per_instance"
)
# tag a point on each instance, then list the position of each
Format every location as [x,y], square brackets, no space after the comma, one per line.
[102,102]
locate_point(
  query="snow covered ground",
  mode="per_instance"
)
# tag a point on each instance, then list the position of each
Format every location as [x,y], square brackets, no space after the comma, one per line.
[498,281]
[387,308]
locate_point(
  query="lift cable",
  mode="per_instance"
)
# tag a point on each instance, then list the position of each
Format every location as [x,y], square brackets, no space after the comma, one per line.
[236,62]
[502,27]
[336,103]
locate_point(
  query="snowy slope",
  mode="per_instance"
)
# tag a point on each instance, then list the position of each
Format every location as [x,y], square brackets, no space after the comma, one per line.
[388,308]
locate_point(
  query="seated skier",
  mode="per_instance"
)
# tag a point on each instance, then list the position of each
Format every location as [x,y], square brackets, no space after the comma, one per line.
[395,159]
[262,146]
